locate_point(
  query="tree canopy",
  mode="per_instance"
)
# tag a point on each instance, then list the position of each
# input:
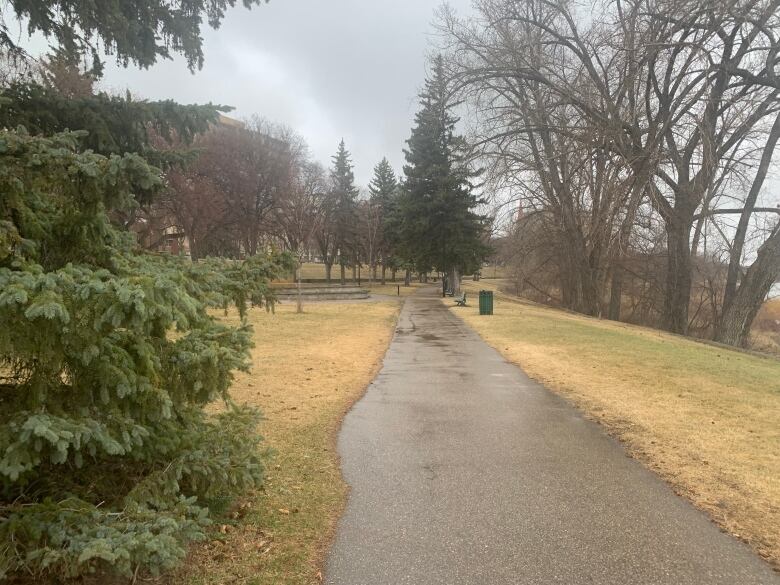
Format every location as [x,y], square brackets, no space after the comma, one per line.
[439,228]
[135,31]
[108,124]
[344,194]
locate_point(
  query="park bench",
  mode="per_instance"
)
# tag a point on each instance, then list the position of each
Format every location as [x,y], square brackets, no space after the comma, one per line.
[461,300]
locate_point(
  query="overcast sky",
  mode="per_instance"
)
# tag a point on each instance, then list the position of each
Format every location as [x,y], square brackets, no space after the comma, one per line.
[341,68]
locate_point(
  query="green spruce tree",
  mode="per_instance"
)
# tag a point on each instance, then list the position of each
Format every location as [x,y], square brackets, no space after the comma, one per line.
[138,31]
[107,358]
[344,196]
[383,189]
[439,227]
[108,354]
[108,124]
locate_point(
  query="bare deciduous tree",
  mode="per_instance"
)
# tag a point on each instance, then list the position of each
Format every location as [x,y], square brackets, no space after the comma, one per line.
[640,120]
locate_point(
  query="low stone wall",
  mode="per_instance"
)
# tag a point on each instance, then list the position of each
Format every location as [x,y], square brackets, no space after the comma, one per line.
[318,292]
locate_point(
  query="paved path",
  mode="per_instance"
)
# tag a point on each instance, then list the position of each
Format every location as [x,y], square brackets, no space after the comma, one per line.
[464,471]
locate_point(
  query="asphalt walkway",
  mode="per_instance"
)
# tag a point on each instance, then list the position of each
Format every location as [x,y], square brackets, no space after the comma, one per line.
[465,471]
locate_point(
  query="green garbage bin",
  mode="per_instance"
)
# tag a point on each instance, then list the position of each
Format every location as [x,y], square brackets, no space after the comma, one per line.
[486,302]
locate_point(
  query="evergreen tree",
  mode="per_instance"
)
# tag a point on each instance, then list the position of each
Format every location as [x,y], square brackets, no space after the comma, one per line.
[107,358]
[138,31]
[108,355]
[344,195]
[107,124]
[383,189]
[439,227]
[383,184]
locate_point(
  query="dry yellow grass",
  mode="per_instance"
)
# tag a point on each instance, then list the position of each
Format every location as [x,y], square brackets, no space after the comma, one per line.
[316,270]
[308,369]
[707,419]
[765,335]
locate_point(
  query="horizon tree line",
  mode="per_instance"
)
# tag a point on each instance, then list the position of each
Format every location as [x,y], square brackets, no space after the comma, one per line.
[254,185]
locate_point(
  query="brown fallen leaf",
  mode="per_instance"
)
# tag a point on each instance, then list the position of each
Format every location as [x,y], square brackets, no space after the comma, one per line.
[284,510]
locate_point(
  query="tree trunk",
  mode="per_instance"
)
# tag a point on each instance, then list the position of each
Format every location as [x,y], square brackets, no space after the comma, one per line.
[578,283]
[392,274]
[616,293]
[299,301]
[328,271]
[678,276]
[735,261]
[624,236]
[408,277]
[384,271]
[354,273]
[454,281]
[578,288]
[194,249]
[737,319]
[343,274]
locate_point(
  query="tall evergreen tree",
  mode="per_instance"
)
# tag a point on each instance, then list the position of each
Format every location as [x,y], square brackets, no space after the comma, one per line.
[384,183]
[108,355]
[107,459]
[384,189]
[344,194]
[439,226]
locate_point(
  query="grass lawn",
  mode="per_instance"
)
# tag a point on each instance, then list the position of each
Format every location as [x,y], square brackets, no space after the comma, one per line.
[707,419]
[316,270]
[307,371]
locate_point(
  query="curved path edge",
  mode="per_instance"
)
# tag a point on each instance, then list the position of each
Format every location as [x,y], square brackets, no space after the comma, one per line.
[465,471]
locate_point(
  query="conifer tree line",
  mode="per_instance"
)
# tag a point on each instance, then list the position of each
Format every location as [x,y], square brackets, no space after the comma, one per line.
[425,221]
[109,353]
[631,143]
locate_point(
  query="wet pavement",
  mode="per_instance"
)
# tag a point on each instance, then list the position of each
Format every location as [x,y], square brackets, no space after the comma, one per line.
[465,471]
